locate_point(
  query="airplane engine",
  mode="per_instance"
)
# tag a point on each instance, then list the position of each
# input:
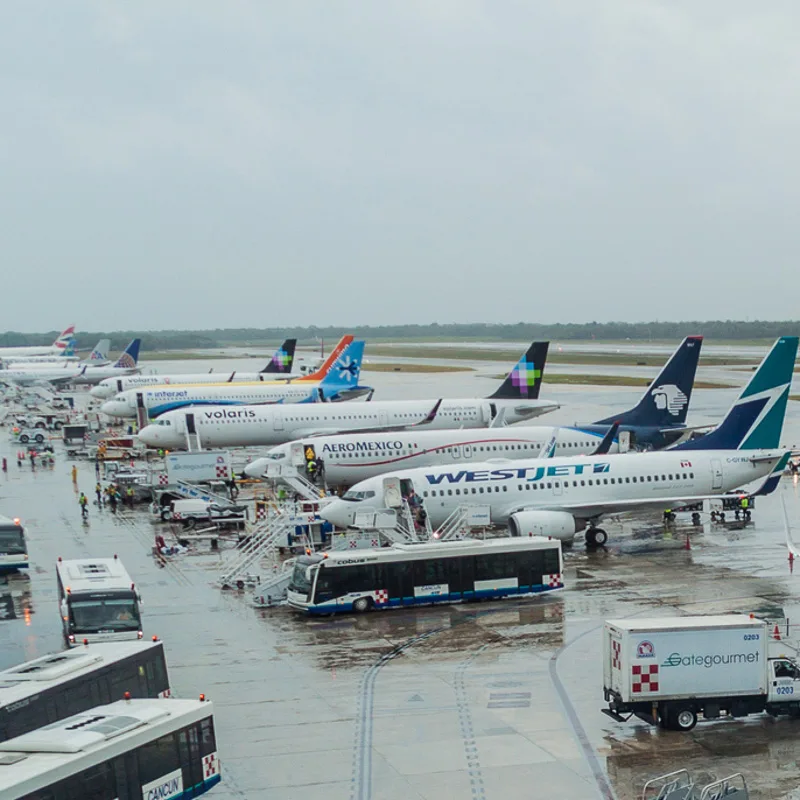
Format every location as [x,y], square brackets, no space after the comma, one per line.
[558,524]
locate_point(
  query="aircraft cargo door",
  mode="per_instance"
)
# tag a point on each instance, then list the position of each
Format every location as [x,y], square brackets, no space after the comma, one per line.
[716,473]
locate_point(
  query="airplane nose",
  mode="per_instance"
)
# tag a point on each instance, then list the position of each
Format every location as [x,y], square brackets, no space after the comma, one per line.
[336,513]
[256,469]
[101,392]
[115,408]
[149,435]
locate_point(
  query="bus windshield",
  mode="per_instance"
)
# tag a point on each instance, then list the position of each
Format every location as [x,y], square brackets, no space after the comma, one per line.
[104,614]
[12,540]
[300,582]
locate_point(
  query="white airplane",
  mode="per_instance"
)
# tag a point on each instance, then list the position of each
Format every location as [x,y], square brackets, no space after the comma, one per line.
[98,357]
[61,343]
[515,401]
[339,381]
[49,375]
[280,366]
[126,364]
[560,496]
[353,457]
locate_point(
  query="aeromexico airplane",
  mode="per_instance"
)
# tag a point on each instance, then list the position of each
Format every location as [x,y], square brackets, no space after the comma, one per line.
[280,366]
[560,496]
[339,381]
[660,415]
[516,400]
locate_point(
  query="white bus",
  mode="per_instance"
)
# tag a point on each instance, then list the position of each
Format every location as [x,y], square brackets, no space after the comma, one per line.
[13,549]
[98,601]
[59,685]
[425,573]
[143,749]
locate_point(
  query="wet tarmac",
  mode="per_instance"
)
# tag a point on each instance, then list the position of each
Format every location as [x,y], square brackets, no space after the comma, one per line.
[490,700]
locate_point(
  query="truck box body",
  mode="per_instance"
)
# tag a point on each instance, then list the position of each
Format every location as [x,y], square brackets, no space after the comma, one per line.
[667,659]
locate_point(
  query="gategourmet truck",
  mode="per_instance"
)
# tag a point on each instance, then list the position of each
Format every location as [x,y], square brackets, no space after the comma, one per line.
[669,671]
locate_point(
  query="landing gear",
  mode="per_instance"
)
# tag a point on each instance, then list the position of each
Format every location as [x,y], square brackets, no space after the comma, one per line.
[596,537]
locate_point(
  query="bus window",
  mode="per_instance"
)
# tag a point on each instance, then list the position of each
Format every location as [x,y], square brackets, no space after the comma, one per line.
[157,759]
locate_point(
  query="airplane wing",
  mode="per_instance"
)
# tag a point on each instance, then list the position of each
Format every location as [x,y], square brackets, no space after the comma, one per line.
[311,432]
[608,440]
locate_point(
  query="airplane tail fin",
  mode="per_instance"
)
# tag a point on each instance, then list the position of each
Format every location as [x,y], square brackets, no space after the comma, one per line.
[755,420]
[130,356]
[100,352]
[283,358]
[337,351]
[666,400]
[525,379]
[66,339]
[345,371]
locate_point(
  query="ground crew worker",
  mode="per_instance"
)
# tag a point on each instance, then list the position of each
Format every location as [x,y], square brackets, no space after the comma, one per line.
[84,502]
[5,465]
[311,466]
[33,459]
[129,492]
[20,457]
[98,490]
[112,498]
[745,506]
[75,474]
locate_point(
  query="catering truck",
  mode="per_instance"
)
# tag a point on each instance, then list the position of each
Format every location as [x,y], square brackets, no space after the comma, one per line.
[669,671]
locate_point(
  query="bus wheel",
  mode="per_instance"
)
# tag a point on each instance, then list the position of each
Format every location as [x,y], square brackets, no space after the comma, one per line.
[362,604]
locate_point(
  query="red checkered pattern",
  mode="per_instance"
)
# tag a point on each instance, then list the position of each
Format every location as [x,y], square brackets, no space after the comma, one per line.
[261,512]
[353,544]
[554,580]
[210,766]
[176,515]
[644,678]
[381,596]
[374,543]
[165,693]
[222,472]
[616,655]
[163,480]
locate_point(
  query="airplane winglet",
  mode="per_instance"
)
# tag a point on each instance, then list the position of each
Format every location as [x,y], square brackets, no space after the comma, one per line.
[608,440]
[772,480]
[500,419]
[431,415]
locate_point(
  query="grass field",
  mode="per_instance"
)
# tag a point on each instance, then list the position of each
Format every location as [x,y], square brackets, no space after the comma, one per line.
[389,367]
[182,355]
[614,380]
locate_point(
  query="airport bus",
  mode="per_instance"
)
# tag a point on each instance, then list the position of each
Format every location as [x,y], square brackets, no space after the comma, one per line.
[425,573]
[59,685]
[98,601]
[13,549]
[144,749]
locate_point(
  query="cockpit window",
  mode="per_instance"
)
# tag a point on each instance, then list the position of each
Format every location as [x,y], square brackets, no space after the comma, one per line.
[357,497]
[276,456]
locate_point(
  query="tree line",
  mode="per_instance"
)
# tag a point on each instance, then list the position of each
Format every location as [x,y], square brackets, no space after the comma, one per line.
[735,330]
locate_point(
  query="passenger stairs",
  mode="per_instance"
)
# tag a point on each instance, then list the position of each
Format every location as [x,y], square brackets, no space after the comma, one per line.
[272,591]
[459,523]
[193,492]
[263,542]
[681,786]
[291,477]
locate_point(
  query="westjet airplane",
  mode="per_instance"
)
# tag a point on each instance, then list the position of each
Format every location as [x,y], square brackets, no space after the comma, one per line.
[126,364]
[62,342]
[280,366]
[352,457]
[339,382]
[560,496]
[516,400]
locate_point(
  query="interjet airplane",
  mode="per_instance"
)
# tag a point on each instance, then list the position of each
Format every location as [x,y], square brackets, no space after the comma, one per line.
[560,496]
[351,457]
[339,381]
[280,366]
[516,400]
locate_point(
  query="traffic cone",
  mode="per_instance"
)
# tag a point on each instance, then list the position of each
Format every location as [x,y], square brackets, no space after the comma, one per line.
[776,634]
[688,545]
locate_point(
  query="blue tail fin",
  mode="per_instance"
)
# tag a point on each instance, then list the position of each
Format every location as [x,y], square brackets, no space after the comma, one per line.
[130,356]
[346,370]
[525,379]
[666,401]
[755,421]
[283,358]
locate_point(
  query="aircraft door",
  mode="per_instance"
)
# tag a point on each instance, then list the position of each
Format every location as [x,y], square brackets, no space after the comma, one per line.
[191,428]
[716,473]
[392,497]
[456,452]
[141,411]
[298,458]
[277,420]
[558,488]
[467,451]
[119,385]
[624,440]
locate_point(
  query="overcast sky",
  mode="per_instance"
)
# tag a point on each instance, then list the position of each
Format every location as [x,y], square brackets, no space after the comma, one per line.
[202,164]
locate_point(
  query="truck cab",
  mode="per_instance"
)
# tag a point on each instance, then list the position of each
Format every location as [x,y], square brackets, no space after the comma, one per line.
[784,681]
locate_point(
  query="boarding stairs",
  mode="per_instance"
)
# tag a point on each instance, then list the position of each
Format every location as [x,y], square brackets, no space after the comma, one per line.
[193,492]
[458,525]
[680,785]
[263,542]
[272,590]
[291,477]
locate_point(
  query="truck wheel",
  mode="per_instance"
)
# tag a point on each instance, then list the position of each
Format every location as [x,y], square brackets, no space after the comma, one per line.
[39,438]
[40,424]
[57,425]
[24,438]
[165,515]
[684,719]
[362,604]
[189,523]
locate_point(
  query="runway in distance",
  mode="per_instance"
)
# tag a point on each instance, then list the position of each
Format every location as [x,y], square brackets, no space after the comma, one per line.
[339,381]
[516,400]
[280,366]
[352,457]
[560,496]
[62,342]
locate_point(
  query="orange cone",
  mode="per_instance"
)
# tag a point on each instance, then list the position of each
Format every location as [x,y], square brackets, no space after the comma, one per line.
[688,545]
[776,634]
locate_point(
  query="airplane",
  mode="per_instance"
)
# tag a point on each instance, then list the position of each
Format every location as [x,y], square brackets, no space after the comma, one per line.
[339,382]
[97,357]
[53,375]
[658,420]
[62,342]
[124,365]
[352,457]
[560,496]
[515,401]
[279,365]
